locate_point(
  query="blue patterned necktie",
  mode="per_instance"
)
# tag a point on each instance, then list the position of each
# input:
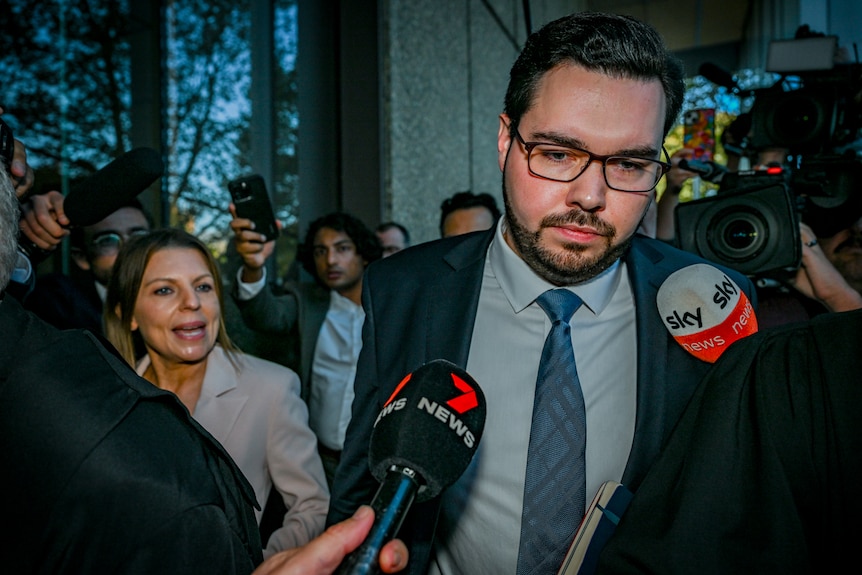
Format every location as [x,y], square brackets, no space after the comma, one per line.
[555,483]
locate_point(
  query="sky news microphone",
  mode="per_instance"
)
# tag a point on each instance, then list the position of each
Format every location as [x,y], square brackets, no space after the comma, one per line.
[709,171]
[423,440]
[705,311]
[105,191]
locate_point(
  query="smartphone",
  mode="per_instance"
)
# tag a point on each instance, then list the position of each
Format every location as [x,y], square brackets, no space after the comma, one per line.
[699,133]
[252,202]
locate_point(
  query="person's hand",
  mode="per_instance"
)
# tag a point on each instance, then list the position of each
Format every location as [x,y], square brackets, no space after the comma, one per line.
[323,555]
[43,220]
[251,246]
[665,228]
[818,279]
[676,176]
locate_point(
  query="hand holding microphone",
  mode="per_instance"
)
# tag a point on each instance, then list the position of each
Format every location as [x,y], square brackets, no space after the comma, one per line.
[88,202]
[704,310]
[423,440]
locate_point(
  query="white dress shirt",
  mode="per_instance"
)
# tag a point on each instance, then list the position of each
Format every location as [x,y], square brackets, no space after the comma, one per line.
[333,370]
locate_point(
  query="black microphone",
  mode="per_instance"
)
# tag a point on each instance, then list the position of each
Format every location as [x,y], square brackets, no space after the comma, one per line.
[105,191]
[718,76]
[423,440]
[709,171]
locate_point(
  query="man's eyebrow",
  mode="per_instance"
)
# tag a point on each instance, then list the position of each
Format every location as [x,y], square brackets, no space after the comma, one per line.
[643,151]
[346,241]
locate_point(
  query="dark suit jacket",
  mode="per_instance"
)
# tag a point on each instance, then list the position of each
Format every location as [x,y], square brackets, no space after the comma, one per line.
[104,472]
[298,312]
[762,473]
[66,302]
[420,305]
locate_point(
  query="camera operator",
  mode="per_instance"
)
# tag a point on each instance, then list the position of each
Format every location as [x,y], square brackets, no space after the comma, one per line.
[831,270]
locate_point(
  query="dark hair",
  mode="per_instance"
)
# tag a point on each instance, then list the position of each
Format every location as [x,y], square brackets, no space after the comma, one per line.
[464,200]
[126,281]
[76,236]
[367,243]
[611,44]
[389,225]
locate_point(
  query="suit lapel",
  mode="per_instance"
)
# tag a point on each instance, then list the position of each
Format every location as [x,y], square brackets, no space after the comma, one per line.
[217,410]
[451,311]
[645,273]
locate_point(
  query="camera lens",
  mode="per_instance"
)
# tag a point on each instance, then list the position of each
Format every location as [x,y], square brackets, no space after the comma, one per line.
[738,235]
[798,119]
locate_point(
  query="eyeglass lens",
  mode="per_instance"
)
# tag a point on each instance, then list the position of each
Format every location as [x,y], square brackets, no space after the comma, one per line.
[621,172]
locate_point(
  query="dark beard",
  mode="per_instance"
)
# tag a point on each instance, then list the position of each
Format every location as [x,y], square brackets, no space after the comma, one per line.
[570,267]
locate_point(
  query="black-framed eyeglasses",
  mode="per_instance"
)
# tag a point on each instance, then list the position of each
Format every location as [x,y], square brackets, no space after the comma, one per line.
[566,164]
[108,243]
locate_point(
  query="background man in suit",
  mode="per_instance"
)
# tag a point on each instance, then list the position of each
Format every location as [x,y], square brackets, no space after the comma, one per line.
[393,237]
[589,101]
[325,317]
[467,212]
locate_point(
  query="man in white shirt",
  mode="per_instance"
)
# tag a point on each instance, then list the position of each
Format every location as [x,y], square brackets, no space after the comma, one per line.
[325,318]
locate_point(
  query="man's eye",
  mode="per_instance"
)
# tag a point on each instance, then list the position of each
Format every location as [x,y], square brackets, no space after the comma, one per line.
[556,155]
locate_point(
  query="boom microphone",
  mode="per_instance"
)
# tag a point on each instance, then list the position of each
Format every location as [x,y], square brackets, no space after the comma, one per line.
[709,171]
[105,191]
[718,76]
[423,440]
[705,311]
[111,187]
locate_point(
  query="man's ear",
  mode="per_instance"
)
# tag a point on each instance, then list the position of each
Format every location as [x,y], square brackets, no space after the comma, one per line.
[80,258]
[504,140]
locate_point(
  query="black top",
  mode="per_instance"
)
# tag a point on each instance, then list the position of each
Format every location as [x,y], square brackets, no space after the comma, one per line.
[104,472]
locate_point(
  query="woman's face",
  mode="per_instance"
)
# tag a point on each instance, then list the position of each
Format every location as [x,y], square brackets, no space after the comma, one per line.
[177,310]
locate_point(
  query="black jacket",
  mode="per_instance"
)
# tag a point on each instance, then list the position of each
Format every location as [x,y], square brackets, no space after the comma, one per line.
[103,472]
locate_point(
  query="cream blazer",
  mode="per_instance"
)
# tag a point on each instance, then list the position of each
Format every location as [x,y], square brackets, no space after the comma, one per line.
[257,415]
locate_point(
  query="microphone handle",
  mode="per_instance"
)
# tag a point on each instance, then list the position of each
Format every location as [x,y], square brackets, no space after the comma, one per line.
[34,253]
[390,504]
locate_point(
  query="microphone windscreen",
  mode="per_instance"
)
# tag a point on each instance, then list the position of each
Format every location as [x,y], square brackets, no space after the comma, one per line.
[432,424]
[113,186]
[704,310]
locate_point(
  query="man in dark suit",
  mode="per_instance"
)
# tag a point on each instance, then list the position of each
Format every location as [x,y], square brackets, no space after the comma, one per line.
[589,101]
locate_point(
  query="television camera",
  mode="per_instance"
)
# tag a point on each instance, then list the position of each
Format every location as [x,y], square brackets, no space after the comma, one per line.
[813,113]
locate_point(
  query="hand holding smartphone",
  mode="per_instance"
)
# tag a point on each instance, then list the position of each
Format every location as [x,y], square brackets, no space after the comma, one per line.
[251,199]
[699,133]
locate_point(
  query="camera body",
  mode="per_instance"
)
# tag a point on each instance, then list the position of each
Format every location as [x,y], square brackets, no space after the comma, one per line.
[752,223]
[753,229]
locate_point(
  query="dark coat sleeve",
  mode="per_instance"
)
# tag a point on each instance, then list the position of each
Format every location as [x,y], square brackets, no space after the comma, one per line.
[761,474]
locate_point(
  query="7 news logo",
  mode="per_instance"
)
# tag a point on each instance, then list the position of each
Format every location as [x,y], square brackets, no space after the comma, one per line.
[449,412]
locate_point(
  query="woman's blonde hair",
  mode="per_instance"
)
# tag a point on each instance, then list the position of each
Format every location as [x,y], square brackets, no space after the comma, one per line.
[126,278]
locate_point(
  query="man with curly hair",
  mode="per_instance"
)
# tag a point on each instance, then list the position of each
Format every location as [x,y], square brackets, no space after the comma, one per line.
[324,319]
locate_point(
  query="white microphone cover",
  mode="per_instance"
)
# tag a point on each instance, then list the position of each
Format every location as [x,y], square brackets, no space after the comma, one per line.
[704,310]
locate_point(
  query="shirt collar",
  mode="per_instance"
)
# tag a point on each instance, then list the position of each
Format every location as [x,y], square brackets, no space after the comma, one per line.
[338,302]
[522,285]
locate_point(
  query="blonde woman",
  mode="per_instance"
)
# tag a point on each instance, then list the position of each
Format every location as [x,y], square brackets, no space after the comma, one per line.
[165,298]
